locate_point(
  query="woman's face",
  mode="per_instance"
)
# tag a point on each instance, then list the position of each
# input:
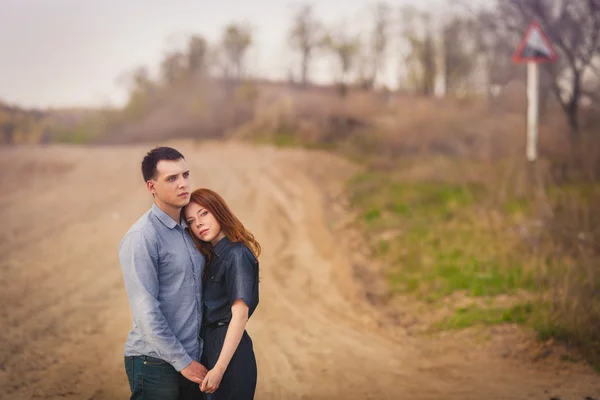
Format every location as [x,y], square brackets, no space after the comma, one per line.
[202,223]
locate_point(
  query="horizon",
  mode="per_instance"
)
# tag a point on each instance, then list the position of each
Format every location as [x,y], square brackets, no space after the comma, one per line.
[73,55]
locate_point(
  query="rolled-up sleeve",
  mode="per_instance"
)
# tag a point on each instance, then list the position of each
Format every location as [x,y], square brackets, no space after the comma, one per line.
[138,256]
[242,279]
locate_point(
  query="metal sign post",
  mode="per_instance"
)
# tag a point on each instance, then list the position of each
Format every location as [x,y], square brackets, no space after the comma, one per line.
[533,85]
[535,48]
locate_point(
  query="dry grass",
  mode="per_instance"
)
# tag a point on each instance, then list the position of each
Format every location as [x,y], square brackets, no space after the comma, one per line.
[450,205]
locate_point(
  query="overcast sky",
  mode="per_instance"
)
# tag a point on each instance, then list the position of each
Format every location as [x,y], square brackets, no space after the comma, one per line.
[72,52]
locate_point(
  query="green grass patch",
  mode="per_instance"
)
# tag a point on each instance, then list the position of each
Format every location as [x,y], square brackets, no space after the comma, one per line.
[73,135]
[85,131]
[285,140]
[421,199]
[442,248]
[471,316]
[289,139]
[546,329]
[383,247]
[438,238]
[279,139]
[372,215]
[584,192]
[441,274]
[517,205]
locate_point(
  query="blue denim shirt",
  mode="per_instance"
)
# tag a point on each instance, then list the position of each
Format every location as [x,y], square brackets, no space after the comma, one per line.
[162,271]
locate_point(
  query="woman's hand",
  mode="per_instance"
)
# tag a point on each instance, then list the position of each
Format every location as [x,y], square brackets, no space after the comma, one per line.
[212,380]
[235,330]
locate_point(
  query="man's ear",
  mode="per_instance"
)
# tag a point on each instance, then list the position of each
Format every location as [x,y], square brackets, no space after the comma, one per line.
[150,186]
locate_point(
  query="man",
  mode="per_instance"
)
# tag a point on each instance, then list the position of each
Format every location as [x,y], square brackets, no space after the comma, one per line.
[162,272]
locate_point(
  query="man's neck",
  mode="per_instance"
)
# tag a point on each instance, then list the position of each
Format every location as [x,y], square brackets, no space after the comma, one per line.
[173,212]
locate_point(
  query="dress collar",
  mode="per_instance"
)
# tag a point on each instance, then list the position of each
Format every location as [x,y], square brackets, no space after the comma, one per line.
[222,245]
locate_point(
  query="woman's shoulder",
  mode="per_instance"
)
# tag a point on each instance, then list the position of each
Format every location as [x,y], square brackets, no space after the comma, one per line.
[238,251]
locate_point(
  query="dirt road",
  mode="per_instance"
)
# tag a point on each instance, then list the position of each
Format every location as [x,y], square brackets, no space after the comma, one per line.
[64,315]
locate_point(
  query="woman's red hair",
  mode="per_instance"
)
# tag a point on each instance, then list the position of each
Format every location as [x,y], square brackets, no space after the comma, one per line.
[230,225]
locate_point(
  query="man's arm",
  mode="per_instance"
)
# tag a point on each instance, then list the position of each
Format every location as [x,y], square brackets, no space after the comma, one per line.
[139,262]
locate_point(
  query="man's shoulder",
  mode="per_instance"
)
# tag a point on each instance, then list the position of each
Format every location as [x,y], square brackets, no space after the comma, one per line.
[142,227]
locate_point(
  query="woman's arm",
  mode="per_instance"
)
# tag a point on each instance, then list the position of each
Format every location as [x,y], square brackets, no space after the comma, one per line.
[235,331]
[239,317]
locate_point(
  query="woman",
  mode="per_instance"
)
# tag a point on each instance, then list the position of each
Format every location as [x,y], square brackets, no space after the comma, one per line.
[230,296]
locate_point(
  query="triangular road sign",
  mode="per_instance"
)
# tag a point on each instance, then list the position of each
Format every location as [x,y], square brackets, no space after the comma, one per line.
[535,46]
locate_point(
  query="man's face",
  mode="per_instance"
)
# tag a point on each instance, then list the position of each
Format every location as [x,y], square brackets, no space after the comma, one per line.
[170,185]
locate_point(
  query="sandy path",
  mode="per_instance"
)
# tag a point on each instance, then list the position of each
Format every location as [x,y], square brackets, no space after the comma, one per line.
[64,312]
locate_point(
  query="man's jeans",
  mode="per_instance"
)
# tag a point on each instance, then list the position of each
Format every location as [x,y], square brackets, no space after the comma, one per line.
[154,379]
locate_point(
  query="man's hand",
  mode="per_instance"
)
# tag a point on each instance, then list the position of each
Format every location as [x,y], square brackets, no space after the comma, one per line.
[212,380]
[195,372]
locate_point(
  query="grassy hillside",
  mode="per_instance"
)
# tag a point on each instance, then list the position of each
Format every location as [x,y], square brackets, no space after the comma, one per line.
[31,126]
[21,126]
[450,207]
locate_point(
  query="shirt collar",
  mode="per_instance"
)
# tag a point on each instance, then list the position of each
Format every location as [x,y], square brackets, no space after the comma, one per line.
[165,219]
[222,245]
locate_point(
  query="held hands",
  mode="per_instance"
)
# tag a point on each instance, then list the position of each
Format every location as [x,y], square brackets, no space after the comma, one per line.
[212,380]
[195,372]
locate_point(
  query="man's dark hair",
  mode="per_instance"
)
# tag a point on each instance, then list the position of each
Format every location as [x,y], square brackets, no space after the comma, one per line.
[154,156]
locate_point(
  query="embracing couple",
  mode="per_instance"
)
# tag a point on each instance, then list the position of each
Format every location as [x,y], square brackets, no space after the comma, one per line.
[190,269]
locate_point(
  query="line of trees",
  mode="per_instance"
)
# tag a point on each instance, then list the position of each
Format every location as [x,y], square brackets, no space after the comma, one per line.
[459,51]
[456,51]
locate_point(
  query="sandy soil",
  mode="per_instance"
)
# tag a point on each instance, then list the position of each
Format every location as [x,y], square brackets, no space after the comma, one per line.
[64,315]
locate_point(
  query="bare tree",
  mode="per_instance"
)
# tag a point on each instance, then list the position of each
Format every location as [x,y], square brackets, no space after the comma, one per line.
[237,39]
[363,75]
[141,80]
[459,53]
[495,43]
[197,51]
[574,28]
[7,127]
[136,80]
[173,67]
[427,57]
[306,35]
[379,39]
[421,58]
[345,48]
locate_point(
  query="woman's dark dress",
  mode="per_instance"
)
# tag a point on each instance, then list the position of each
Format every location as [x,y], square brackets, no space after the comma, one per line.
[232,275]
